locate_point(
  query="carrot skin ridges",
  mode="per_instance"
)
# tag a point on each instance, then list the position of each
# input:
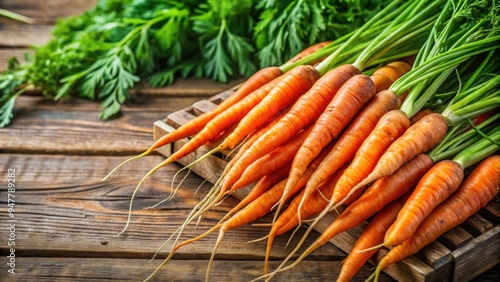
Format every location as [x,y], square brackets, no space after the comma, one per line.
[372,235]
[389,128]
[419,138]
[347,145]
[291,86]
[480,187]
[387,189]
[257,80]
[309,50]
[434,187]
[295,120]
[272,161]
[342,109]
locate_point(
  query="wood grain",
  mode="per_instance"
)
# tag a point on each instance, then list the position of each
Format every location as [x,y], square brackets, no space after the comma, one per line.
[90,269]
[46,12]
[64,209]
[74,127]
[24,35]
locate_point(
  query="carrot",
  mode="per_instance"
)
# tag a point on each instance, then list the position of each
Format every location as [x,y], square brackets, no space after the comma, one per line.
[434,187]
[418,116]
[309,50]
[303,113]
[293,84]
[256,81]
[480,187]
[380,193]
[419,138]
[342,109]
[346,146]
[250,140]
[264,184]
[385,76]
[257,207]
[389,128]
[273,161]
[289,219]
[373,234]
[212,130]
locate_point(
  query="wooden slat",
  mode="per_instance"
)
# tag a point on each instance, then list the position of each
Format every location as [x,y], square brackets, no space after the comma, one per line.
[44,126]
[64,209]
[46,12]
[481,254]
[90,269]
[455,238]
[24,35]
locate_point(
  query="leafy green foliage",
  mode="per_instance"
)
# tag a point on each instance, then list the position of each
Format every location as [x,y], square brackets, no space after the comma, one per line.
[105,51]
[287,27]
[10,88]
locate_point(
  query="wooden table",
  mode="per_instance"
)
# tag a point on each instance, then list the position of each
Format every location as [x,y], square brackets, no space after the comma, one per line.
[67,220]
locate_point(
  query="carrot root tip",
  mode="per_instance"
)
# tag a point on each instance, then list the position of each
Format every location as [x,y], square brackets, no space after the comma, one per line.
[371,248]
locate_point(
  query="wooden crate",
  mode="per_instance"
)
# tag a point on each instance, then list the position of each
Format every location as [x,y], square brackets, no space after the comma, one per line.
[459,255]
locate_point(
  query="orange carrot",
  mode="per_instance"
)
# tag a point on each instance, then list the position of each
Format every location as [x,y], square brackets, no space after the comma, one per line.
[373,234]
[480,187]
[389,128]
[419,115]
[347,145]
[257,207]
[264,184]
[434,187]
[342,109]
[293,84]
[309,50]
[419,138]
[289,219]
[250,140]
[382,192]
[273,161]
[256,81]
[304,112]
[385,76]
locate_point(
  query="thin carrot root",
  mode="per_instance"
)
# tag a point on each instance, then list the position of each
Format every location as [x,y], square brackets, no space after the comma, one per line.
[222,232]
[125,162]
[376,247]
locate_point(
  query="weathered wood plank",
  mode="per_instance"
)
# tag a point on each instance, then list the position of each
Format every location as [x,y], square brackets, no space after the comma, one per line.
[63,209]
[91,269]
[24,35]
[481,254]
[44,126]
[46,12]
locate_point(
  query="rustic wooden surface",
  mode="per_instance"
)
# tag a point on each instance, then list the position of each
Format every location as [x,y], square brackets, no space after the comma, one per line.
[68,220]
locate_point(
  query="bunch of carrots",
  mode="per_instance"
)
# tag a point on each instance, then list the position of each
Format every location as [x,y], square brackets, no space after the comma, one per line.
[381,123]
